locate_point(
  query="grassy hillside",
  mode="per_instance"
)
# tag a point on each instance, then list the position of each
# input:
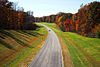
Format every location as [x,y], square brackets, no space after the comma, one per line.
[78,51]
[18,47]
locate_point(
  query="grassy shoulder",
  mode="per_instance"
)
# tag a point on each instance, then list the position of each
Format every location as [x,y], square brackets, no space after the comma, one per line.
[83,51]
[19,47]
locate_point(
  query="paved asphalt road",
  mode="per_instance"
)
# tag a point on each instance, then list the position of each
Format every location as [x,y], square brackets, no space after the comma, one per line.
[50,55]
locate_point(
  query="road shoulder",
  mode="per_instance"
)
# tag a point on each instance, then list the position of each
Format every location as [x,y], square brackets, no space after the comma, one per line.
[66,54]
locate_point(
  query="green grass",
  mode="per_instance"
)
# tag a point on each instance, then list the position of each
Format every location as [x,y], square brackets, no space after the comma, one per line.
[84,51]
[52,26]
[19,46]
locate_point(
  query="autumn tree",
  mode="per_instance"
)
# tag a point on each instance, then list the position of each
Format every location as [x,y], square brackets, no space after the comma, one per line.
[89,17]
[4,12]
[82,16]
[93,12]
[67,25]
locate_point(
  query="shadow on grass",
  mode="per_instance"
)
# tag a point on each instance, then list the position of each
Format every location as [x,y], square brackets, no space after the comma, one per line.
[6,44]
[31,32]
[2,37]
[10,35]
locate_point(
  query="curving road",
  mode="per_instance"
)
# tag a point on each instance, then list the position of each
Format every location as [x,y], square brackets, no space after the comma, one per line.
[50,55]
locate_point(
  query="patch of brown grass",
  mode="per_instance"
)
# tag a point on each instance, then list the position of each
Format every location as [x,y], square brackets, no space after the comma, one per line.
[66,54]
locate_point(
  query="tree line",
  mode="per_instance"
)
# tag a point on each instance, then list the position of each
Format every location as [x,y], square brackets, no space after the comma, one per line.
[85,22]
[12,17]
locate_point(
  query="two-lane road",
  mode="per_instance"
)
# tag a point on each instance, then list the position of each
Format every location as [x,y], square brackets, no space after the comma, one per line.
[50,55]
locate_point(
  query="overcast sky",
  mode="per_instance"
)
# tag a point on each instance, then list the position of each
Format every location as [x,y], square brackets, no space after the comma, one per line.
[47,7]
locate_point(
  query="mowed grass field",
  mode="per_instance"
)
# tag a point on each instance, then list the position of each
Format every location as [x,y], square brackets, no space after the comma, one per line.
[78,51]
[19,47]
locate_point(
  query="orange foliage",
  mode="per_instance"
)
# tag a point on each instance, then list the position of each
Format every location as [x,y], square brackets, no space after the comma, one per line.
[67,25]
[85,35]
[73,17]
[77,24]
[20,19]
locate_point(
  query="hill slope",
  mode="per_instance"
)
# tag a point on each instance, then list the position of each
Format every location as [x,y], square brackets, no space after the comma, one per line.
[78,51]
[18,47]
